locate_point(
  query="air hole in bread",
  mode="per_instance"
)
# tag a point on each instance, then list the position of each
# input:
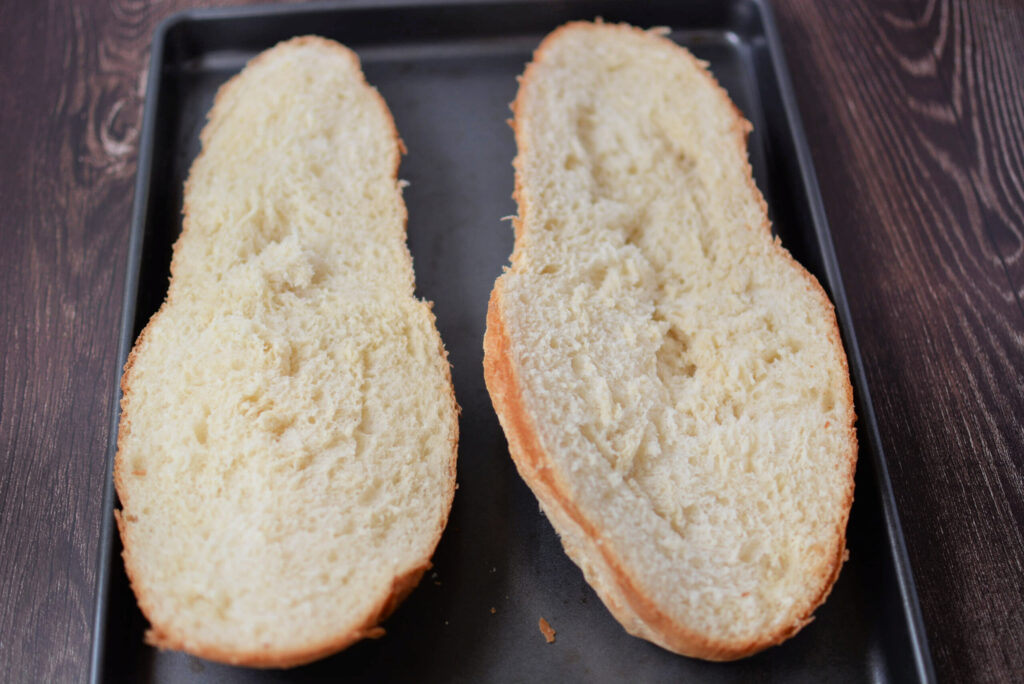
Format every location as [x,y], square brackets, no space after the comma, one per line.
[200,430]
[829,401]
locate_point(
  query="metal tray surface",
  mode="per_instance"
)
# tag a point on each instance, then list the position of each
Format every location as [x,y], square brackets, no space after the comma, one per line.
[448,72]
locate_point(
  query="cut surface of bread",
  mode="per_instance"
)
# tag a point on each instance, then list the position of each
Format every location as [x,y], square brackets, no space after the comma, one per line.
[671,382]
[286,454]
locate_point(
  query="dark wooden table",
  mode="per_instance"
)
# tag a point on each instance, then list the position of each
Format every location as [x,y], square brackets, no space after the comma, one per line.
[915,115]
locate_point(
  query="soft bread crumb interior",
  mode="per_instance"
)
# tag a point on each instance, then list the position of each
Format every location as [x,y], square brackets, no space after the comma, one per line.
[287,445]
[683,374]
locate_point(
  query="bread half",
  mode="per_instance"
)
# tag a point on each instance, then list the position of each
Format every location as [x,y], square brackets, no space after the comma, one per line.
[671,382]
[286,454]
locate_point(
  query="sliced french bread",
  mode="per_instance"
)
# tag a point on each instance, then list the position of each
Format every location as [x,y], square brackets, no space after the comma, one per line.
[671,382]
[286,454]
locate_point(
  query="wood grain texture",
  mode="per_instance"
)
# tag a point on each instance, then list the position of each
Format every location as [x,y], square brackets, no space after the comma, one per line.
[915,112]
[71,78]
[914,115]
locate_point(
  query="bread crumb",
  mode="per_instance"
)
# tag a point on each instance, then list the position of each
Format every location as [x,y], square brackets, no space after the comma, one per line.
[547,631]
[375,632]
[493,610]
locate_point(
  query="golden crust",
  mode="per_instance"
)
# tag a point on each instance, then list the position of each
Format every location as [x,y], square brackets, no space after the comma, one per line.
[635,609]
[365,627]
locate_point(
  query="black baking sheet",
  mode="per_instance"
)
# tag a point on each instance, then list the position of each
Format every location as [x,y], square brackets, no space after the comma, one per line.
[448,72]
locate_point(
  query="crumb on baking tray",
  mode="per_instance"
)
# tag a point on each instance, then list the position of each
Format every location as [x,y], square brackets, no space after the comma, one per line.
[547,631]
